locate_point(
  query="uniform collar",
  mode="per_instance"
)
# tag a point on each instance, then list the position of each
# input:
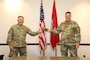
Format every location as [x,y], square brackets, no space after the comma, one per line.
[19,25]
[68,21]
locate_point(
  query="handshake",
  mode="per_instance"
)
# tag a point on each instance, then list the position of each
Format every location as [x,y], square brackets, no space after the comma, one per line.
[45,29]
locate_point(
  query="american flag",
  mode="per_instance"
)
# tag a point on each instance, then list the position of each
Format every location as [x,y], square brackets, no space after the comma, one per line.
[42,38]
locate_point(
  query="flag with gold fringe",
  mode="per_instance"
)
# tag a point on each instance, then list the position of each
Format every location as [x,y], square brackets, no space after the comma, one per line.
[54,39]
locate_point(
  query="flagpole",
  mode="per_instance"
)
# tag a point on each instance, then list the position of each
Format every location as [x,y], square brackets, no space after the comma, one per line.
[56,51]
[41,1]
[56,46]
[43,50]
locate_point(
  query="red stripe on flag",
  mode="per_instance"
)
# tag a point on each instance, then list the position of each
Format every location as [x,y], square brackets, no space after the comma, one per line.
[42,40]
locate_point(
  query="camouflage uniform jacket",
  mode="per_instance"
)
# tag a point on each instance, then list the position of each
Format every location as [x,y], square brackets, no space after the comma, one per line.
[70,32]
[17,35]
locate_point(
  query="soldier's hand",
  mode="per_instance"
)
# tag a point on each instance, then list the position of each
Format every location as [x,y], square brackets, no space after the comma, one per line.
[40,30]
[44,29]
[11,47]
[48,30]
[77,45]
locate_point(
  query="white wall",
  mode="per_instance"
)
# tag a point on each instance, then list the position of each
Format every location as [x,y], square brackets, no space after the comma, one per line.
[30,9]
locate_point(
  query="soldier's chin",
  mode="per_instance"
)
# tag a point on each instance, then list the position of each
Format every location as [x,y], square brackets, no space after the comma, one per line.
[20,23]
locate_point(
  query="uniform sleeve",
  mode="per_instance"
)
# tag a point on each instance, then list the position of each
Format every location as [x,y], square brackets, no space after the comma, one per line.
[31,32]
[77,34]
[56,31]
[10,36]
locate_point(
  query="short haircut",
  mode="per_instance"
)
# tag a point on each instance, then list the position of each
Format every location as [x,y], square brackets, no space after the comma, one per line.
[68,12]
[20,16]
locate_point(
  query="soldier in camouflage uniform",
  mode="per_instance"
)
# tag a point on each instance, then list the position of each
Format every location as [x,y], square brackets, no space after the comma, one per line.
[16,38]
[70,36]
